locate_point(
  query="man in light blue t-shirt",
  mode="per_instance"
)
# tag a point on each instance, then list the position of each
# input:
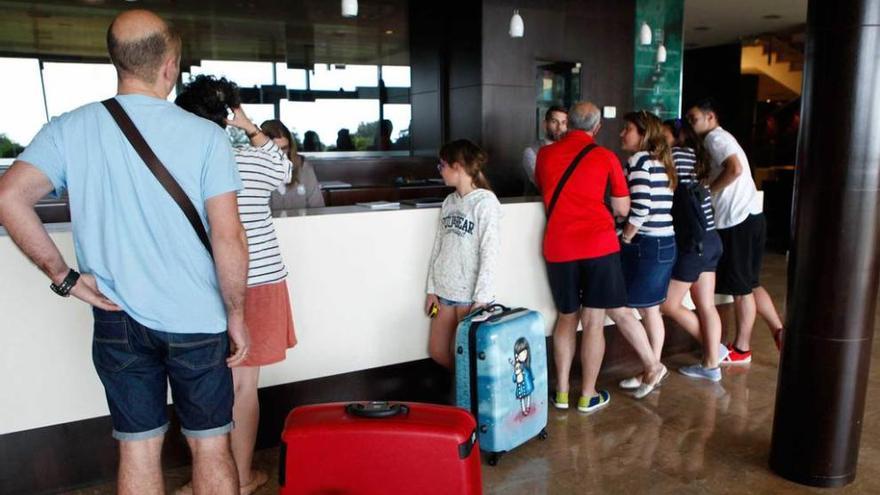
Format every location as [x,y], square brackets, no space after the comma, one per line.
[165,311]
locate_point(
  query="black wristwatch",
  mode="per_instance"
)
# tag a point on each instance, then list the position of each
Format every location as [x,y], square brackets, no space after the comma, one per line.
[63,289]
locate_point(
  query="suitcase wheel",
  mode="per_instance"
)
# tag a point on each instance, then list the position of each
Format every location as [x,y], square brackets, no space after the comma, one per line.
[460,350]
[543,435]
[494,457]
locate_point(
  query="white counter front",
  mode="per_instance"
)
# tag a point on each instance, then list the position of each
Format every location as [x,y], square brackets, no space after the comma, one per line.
[356,281]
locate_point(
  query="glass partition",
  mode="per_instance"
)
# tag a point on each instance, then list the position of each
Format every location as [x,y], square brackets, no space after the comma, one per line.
[344,82]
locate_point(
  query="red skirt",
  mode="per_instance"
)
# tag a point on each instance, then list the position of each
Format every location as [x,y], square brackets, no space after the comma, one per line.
[269,320]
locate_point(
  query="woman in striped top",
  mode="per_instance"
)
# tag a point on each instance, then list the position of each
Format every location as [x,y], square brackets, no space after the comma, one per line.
[268,316]
[648,248]
[694,270]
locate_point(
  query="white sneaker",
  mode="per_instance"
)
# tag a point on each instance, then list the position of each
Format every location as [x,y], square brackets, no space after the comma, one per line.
[631,383]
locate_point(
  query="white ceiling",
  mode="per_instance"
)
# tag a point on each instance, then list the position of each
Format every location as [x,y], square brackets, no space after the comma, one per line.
[730,20]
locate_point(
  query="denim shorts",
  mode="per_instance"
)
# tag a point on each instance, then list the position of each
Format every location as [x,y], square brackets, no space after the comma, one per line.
[647,267]
[450,302]
[136,363]
[691,264]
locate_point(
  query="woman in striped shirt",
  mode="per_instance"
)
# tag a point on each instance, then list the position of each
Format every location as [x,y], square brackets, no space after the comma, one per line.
[268,315]
[694,270]
[648,239]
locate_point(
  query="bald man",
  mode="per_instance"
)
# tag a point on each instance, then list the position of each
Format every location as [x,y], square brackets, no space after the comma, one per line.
[164,310]
[582,253]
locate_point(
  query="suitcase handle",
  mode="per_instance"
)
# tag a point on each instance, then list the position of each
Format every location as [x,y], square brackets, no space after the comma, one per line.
[486,309]
[376,409]
[510,312]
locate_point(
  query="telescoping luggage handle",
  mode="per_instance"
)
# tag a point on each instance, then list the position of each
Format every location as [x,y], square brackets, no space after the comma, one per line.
[376,409]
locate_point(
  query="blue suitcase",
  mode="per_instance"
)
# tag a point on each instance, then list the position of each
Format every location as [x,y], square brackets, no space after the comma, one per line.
[501,376]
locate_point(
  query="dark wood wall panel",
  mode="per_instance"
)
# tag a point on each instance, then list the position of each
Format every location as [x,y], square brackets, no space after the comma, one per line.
[596,33]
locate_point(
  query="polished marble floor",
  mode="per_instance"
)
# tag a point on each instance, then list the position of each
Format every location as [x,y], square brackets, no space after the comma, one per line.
[687,438]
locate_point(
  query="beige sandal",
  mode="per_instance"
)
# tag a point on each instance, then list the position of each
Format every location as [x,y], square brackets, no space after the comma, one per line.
[258,479]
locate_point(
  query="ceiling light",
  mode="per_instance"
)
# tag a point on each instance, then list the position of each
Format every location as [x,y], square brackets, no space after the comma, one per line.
[645,34]
[389,31]
[517,28]
[349,8]
[661,54]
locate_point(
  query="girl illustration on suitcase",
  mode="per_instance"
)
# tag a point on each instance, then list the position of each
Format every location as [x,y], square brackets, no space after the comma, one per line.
[522,374]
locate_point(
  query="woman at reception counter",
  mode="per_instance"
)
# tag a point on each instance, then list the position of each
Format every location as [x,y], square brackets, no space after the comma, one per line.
[461,273]
[303,189]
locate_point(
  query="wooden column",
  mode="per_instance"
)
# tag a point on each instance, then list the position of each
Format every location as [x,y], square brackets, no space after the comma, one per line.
[833,264]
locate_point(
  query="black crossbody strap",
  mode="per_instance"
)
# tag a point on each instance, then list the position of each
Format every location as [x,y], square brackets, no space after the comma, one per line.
[159,171]
[570,170]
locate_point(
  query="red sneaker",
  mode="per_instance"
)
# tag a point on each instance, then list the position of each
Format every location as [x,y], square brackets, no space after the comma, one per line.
[777,338]
[736,358]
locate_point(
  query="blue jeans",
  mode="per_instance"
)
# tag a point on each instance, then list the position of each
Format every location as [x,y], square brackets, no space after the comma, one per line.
[647,267]
[136,363]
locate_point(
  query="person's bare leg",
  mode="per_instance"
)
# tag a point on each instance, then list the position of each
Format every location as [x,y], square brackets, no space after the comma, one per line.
[634,333]
[564,341]
[214,470]
[654,327]
[766,309]
[140,467]
[246,413]
[728,322]
[592,348]
[744,308]
[441,336]
[674,308]
[703,294]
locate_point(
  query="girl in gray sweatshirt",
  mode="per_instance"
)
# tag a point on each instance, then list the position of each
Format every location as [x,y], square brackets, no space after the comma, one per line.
[461,273]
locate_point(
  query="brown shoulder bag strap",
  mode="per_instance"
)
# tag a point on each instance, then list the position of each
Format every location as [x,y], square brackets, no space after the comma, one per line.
[565,176]
[159,171]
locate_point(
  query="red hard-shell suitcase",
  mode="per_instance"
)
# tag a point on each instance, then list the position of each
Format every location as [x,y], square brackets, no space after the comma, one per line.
[379,448]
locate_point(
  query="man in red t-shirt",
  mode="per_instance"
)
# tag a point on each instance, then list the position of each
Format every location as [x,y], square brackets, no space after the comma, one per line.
[583,262]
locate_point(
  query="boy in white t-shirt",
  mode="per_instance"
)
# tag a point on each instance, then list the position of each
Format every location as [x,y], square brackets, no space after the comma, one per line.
[740,223]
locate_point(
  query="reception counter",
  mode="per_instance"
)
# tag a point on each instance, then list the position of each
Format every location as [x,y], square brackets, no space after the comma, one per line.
[357,279]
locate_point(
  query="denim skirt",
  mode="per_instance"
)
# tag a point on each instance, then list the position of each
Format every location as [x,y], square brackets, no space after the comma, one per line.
[647,267]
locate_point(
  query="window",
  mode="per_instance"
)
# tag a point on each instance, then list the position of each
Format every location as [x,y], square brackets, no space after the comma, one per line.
[72,85]
[23,109]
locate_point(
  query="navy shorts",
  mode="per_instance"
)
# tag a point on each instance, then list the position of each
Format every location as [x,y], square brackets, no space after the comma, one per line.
[690,264]
[591,283]
[136,364]
[740,263]
[647,268]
